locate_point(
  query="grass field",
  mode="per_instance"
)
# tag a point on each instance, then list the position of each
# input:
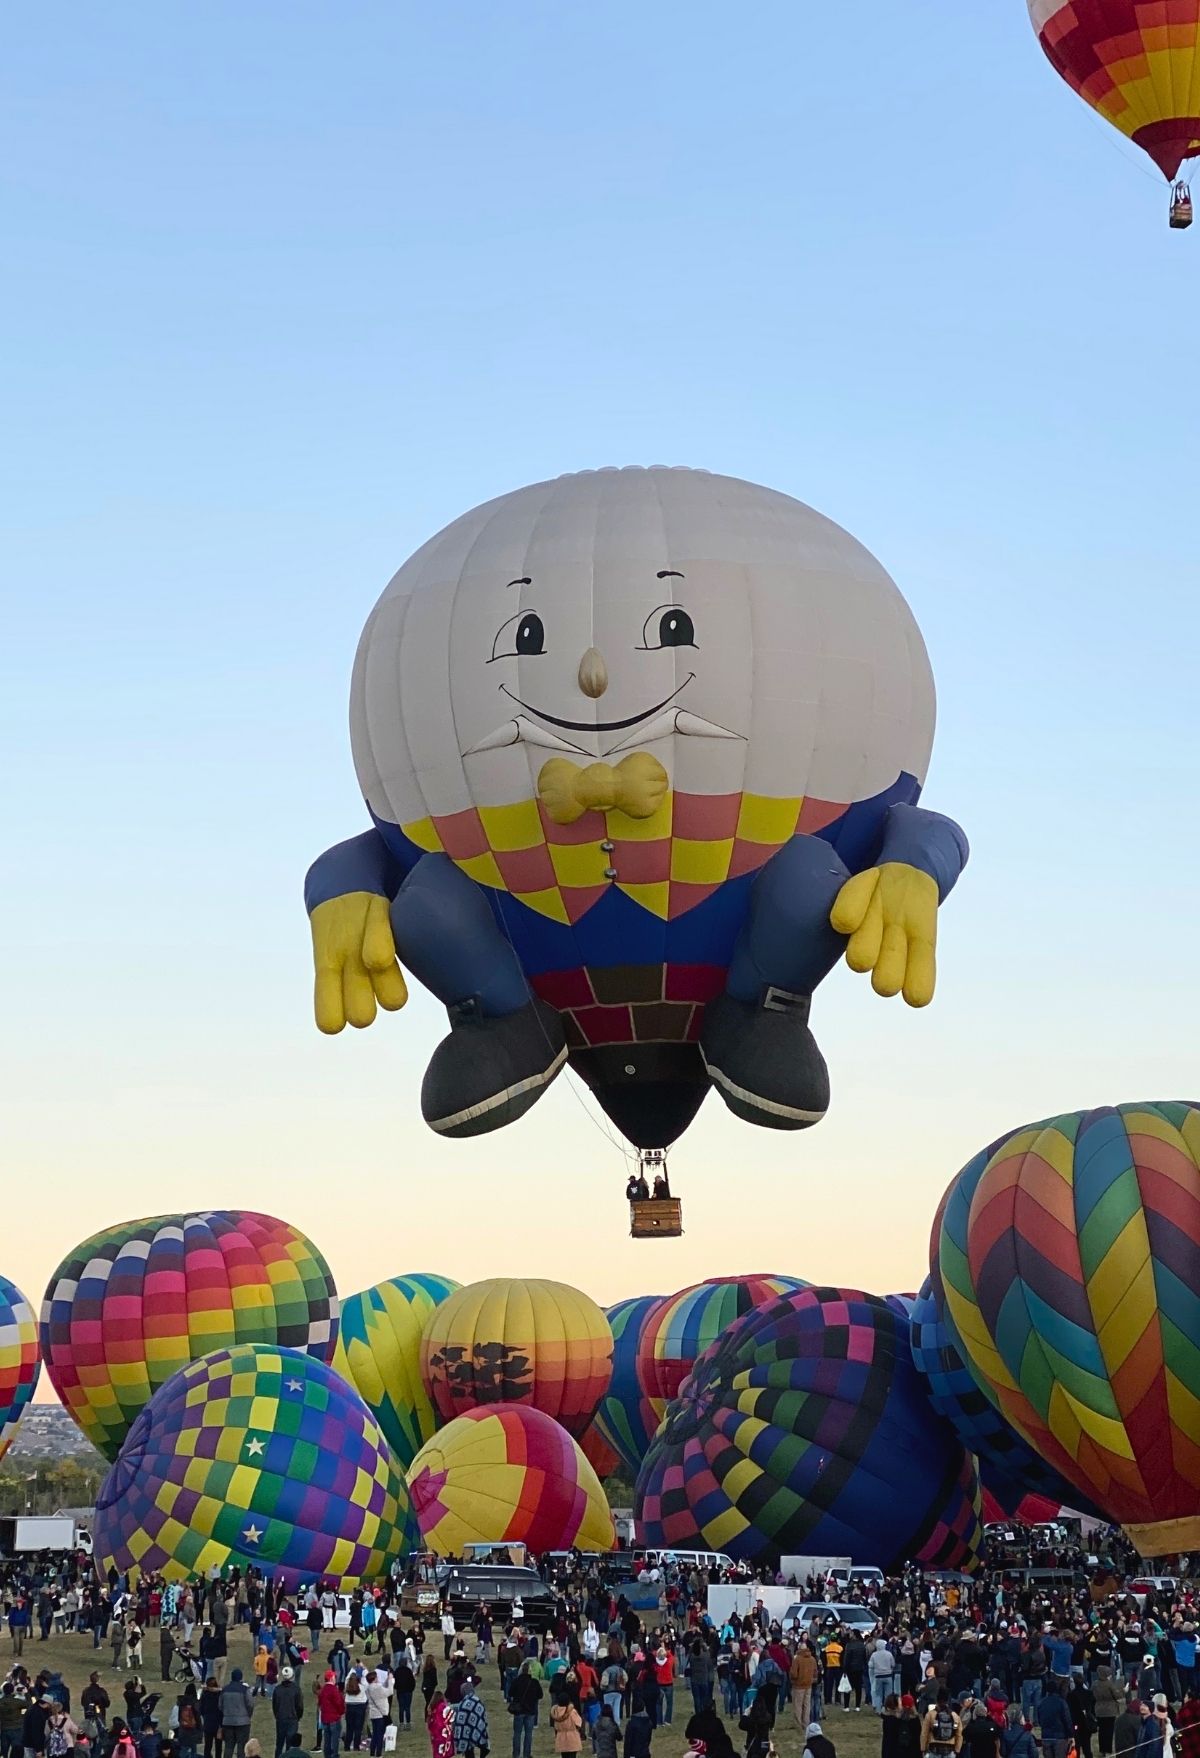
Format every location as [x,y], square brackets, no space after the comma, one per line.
[855,1736]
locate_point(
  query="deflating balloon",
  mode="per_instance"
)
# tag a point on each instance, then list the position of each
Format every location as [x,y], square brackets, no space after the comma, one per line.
[20,1364]
[1069,1256]
[507,1474]
[379,1352]
[642,751]
[626,1418]
[258,1457]
[1136,63]
[806,1429]
[132,1305]
[684,1325]
[514,1340]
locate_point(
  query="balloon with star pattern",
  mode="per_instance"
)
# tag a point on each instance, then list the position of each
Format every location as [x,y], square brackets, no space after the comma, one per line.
[255,1456]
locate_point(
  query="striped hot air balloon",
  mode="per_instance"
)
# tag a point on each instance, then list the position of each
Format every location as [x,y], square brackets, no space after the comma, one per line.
[379,1353]
[1069,1254]
[507,1474]
[684,1325]
[626,1418]
[132,1305]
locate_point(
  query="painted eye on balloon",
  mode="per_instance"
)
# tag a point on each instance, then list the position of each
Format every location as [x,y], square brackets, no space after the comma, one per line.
[668,625]
[520,636]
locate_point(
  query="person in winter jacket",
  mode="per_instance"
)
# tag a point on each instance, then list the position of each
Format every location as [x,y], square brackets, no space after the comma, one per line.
[287,1707]
[1054,1719]
[803,1675]
[1082,1704]
[524,1695]
[1017,1740]
[816,1745]
[881,1668]
[331,1707]
[237,1708]
[1109,1696]
[639,1732]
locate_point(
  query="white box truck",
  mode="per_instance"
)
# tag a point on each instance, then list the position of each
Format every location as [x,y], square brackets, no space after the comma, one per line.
[22,1534]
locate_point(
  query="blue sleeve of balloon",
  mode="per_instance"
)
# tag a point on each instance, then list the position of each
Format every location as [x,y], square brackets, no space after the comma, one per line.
[447,936]
[361,864]
[927,841]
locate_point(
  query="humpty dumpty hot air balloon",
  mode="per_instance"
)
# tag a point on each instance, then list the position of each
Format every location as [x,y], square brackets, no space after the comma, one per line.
[642,750]
[507,1474]
[130,1306]
[1137,63]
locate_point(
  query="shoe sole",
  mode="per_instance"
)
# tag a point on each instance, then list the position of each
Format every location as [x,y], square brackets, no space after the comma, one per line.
[471,1120]
[753,1108]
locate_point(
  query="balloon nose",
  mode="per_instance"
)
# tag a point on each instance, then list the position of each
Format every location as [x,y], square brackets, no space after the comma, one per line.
[593,674]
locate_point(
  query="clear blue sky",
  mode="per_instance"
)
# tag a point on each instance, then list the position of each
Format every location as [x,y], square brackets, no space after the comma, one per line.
[287,287]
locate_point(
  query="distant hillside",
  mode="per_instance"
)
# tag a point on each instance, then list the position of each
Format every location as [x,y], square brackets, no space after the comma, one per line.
[47,1433]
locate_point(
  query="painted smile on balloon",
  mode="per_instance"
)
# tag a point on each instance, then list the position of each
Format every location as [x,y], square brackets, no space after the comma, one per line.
[597,725]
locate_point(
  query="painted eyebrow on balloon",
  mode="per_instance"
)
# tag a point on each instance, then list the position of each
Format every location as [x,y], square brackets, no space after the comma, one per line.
[521,580]
[668,574]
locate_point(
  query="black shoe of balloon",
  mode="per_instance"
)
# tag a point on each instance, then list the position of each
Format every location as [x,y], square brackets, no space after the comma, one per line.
[764,1061]
[488,1072]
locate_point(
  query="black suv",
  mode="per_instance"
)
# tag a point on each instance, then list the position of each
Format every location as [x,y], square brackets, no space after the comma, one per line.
[469,1585]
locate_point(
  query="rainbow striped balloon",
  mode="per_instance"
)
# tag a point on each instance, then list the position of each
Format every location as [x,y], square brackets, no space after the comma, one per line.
[626,1418]
[379,1353]
[255,1455]
[1069,1254]
[20,1363]
[504,1475]
[684,1325]
[132,1305]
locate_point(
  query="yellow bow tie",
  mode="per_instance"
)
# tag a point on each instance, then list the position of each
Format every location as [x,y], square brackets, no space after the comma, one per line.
[637,785]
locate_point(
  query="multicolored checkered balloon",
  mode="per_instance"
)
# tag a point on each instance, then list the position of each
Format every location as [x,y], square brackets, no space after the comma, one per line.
[1069,1255]
[626,1418]
[20,1364]
[132,1305]
[684,1325]
[508,1474]
[255,1455]
[518,1340]
[379,1352]
[805,1428]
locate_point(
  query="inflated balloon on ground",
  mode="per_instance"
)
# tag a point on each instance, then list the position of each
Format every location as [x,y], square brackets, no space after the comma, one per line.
[684,1325]
[1009,1468]
[132,1305]
[255,1456]
[379,1352]
[511,1474]
[517,1340]
[20,1363]
[626,1418]
[805,1428]
[1069,1255]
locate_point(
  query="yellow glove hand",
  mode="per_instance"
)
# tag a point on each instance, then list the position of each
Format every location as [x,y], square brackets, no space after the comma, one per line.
[355,958]
[890,914]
